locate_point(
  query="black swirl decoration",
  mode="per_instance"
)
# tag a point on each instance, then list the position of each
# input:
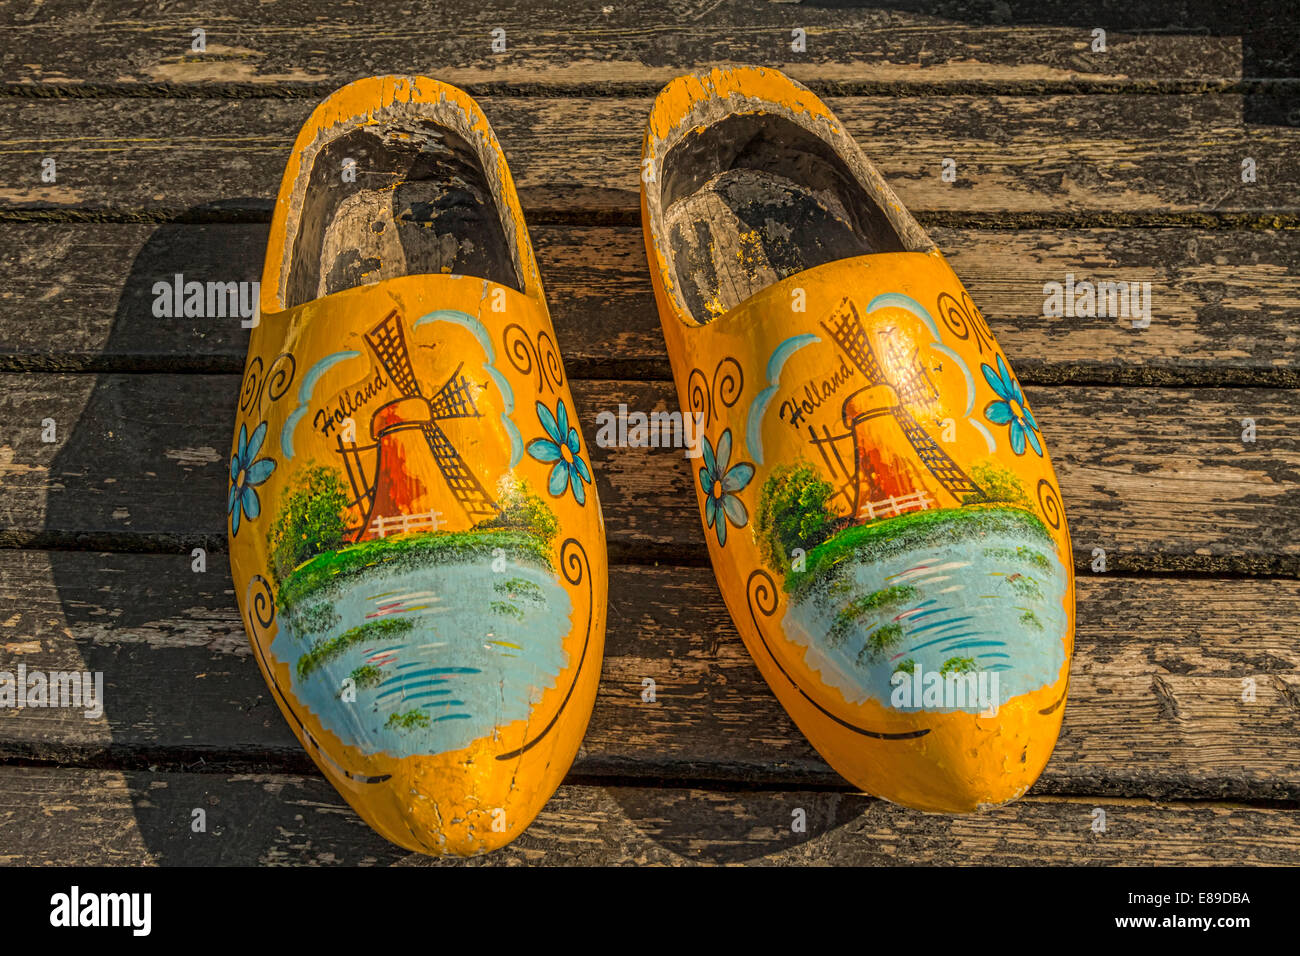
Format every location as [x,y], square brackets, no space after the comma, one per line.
[709,396]
[761,594]
[576,568]
[538,358]
[697,393]
[259,603]
[963,320]
[279,376]
[252,382]
[1049,503]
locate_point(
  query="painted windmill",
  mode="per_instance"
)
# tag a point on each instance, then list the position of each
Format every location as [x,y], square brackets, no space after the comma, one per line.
[886,482]
[406,437]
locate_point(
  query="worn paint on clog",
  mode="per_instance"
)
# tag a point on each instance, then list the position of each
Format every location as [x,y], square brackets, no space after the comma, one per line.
[416,541]
[879,504]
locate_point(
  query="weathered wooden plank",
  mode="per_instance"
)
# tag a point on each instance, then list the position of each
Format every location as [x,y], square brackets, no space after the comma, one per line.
[88,817]
[1225,306]
[1159,478]
[1083,156]
[1157,704]
[634,44]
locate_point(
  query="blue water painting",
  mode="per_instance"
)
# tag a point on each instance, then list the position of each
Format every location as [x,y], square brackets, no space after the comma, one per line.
[993,603]
[444,654]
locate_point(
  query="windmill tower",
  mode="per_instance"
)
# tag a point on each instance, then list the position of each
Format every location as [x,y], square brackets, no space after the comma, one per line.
[899,466]
[407,438]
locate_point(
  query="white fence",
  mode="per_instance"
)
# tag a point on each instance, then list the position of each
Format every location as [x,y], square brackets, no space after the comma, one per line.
[891,506]
[385,525]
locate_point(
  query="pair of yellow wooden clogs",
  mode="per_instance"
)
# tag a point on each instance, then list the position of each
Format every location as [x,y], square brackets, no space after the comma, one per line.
[416,539]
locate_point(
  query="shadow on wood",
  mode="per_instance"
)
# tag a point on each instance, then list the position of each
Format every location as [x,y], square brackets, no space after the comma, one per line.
[81,497]
[718,826]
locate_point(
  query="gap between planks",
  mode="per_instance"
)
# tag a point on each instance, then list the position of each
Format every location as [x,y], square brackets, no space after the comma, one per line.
[1158,477]
[1223,305]
[95,817]
[614,89]
[577,216]
[1016,155]
[1156,706]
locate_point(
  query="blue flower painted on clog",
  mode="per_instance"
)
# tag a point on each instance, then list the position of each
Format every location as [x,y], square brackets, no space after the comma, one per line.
[246,471]
[561,446]
[1011,408]
[720,484]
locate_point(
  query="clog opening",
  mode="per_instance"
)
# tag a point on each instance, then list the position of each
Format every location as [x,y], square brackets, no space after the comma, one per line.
[754,198]
[404,196]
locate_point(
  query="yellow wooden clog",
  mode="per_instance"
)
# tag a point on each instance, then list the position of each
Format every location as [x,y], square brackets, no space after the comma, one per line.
[883,518]
[417,546]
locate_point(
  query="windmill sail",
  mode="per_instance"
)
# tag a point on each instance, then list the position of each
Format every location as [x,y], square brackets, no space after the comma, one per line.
[847,331]
[933,457]
[851,337]
[469,493]
[363,487]
[388,342]
[454,399]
